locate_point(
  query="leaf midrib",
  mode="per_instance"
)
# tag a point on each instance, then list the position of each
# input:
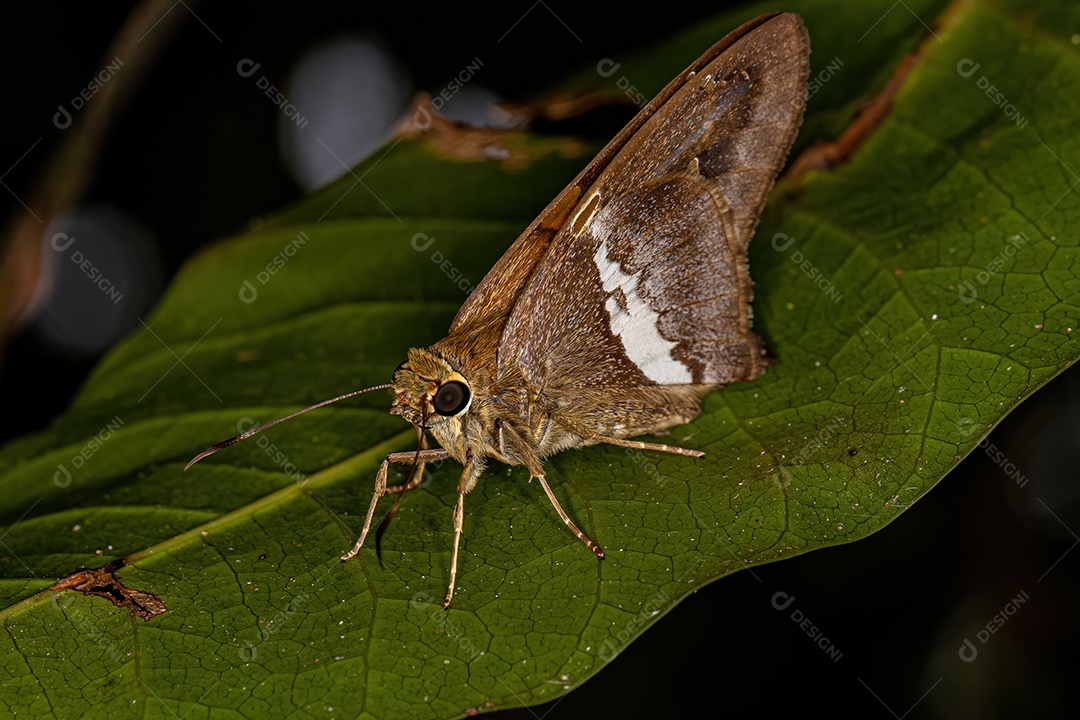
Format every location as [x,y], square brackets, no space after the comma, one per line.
[278,497]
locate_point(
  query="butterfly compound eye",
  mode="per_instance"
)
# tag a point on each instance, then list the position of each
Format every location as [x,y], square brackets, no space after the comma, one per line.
[452,398]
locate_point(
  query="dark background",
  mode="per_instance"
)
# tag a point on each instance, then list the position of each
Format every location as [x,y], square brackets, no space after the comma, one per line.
[195,156]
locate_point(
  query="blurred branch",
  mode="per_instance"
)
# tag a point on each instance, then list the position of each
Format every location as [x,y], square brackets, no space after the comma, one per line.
[24,284]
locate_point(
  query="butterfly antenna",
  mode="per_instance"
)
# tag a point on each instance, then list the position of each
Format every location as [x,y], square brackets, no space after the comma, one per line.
[421,444]
[244,436]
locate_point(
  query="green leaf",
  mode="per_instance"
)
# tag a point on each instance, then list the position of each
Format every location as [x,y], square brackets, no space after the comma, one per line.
[913,297]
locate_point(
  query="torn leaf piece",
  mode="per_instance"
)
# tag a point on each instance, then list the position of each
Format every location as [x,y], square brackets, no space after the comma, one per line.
[104,583]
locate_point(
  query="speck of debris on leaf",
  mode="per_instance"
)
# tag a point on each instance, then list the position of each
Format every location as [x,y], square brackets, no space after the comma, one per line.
[104,583]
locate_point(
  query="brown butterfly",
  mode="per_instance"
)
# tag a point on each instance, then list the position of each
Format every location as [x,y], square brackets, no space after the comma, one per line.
[628,299]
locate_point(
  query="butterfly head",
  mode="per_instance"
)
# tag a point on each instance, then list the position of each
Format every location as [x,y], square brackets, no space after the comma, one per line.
[428,391]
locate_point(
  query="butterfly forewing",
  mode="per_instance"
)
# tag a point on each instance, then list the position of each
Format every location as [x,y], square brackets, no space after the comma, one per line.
[500,289]
[646,281]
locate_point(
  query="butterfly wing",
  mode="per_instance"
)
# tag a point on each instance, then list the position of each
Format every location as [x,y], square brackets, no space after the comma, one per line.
[645,282]
[501,288]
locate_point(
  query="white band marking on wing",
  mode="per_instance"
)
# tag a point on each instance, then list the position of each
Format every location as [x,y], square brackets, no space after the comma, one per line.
[637,326]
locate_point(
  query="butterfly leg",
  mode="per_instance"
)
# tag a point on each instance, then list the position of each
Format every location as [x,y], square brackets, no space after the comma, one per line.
[638,445]
[536,470]
[401,458]
[459,515]
[465,484]
[566,519]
